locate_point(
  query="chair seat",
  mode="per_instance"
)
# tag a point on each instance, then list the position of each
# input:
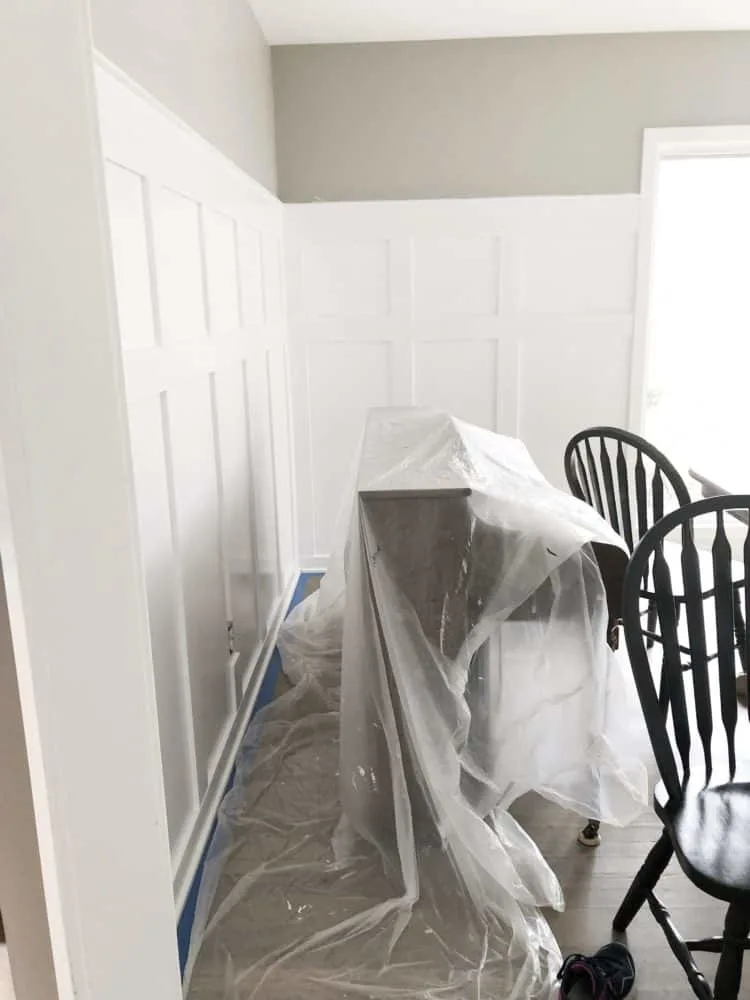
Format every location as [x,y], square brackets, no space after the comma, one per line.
[710,831]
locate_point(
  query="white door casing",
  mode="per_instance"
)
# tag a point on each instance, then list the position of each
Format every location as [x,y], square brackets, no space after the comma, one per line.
[68,529]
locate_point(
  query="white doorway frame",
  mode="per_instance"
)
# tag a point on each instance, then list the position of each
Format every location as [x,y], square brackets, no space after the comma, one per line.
[661,144]
[69,533]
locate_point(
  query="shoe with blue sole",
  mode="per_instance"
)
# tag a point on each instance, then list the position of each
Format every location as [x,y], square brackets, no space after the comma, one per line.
[607,975]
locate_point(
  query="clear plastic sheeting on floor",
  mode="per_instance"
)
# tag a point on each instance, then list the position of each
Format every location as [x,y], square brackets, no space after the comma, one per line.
[454,659]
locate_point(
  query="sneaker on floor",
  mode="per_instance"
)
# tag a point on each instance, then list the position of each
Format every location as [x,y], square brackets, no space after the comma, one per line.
[607,975]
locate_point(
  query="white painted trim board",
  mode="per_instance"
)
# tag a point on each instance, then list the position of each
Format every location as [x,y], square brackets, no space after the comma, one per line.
[659,144]
[201,831]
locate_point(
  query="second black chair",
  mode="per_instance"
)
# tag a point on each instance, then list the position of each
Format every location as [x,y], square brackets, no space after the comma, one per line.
[625,478]
[628,481]
[631,484]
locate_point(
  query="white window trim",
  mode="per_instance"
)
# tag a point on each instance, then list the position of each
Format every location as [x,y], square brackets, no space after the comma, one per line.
[662,144]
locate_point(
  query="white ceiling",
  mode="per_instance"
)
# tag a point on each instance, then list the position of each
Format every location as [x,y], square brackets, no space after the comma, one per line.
[287,22]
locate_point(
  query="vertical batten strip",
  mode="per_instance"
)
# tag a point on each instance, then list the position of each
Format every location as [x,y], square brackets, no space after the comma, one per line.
[179,601]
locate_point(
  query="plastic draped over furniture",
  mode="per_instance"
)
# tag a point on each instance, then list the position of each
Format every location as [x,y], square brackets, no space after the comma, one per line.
[454,659]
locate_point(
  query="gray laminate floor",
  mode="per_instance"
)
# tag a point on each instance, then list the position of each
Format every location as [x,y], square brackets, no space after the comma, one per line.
[594,882]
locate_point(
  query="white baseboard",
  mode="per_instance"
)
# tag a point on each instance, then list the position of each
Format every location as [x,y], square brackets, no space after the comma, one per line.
[314,564]
[201,830]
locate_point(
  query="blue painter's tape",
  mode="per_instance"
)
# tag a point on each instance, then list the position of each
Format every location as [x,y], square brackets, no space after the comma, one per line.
[265,695]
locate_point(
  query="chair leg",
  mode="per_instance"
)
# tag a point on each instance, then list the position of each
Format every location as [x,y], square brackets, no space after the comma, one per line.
[729,972]
[680,949]
[649,874]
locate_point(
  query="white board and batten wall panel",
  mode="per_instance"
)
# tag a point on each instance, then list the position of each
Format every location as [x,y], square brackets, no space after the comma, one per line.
[198,263]
[515,314]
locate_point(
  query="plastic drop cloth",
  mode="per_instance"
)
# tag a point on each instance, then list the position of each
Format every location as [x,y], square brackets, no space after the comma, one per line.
[454,658]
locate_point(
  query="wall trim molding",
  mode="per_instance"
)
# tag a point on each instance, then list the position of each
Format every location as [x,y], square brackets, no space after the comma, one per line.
[315,564]
[199,836]
[263,697]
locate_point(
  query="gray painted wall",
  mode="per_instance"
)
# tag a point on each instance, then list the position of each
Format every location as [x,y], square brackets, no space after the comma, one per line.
[207,61]
[515,116]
